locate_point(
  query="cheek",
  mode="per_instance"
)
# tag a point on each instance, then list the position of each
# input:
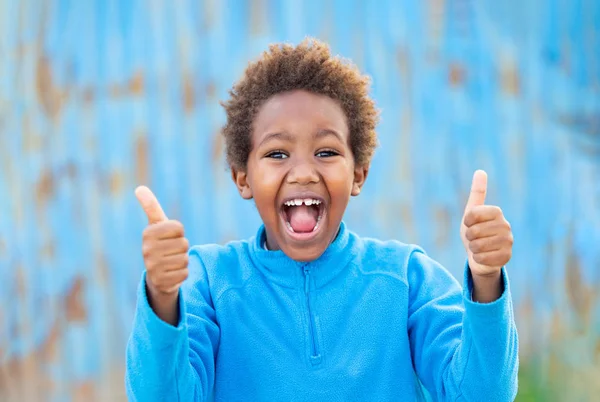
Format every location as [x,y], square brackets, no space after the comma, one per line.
[265,182]
[339,180]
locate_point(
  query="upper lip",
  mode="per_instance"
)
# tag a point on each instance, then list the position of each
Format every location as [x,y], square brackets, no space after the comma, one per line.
[302,196]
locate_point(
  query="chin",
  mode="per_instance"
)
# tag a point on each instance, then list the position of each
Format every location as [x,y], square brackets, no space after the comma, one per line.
[305,254]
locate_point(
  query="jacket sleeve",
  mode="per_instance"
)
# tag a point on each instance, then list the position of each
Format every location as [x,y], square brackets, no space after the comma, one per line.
[462,350]
[168,363]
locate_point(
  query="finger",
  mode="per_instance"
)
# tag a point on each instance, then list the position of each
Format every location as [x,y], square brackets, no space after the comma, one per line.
[170,229]
[150,204]
[170,263]
[168,247]
[496,258]
[171,279]
[486,229]
[165,247]
[478,190]
[482,213]
[492,243]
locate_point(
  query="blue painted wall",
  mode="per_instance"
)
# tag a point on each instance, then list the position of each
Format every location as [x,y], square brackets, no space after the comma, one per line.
[97,97]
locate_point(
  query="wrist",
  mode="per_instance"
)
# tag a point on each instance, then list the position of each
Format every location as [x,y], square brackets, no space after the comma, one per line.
[487,288]
[160,296]
[164,305]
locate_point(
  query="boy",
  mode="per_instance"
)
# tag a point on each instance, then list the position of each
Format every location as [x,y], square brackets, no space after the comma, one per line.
[307,310]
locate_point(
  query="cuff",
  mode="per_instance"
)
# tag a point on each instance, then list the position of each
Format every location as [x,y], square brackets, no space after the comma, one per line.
[498,308]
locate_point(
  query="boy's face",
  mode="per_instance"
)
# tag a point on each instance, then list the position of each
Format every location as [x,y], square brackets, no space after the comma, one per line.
[300,172]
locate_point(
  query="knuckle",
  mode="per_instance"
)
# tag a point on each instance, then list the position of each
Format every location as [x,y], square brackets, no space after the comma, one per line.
[472,233]
[471,217]
[185,244]
[146,250]
[176,226]
[184,274]
[510,239]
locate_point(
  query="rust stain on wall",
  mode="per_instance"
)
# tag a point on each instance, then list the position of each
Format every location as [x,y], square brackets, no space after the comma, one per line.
[49,95]
[84,391]
[218,145]
[45,187]
[48,250]
[510,82]
[136,84]
[26,378]
[73,302]
[116,182]
[188,93]
[578,293]
[457,74]
[32,141]
[20,282]
[102,270]
[211,90]
[88,95]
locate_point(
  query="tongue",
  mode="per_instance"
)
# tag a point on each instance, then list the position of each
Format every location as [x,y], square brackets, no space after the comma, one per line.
[303,218]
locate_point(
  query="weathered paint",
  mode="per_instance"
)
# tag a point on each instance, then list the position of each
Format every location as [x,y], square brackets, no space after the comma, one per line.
[98,97]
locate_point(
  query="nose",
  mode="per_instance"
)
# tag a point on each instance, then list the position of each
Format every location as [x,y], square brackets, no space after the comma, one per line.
[303,172]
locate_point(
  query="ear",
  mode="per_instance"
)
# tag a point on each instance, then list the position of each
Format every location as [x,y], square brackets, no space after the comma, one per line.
[240,178]
[360,175]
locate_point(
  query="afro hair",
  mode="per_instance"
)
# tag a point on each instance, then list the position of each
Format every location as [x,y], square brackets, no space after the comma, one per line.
[308,66]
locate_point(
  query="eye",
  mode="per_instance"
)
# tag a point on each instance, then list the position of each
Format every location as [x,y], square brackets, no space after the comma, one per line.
[276,155]
[327,153]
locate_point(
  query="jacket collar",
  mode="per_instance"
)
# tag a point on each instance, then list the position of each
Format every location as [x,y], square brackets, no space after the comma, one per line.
[281,269]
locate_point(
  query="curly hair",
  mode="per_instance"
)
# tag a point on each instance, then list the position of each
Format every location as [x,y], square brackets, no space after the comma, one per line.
[308,66]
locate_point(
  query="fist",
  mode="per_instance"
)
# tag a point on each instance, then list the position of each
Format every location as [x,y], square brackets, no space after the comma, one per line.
[164,247]
[485,233]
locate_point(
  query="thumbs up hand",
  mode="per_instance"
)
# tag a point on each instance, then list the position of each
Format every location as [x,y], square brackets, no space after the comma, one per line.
[164,249]
[485,233]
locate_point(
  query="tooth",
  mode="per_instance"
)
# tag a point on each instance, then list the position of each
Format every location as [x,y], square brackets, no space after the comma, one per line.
[298,202]
[308,202]
[290,227]
[316,202]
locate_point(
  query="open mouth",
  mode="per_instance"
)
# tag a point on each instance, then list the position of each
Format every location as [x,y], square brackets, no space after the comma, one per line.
[303,215]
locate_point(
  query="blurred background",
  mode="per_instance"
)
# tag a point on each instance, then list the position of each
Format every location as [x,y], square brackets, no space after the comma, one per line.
[97,97]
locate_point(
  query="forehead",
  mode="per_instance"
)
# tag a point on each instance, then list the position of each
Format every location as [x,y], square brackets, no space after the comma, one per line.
[300,111]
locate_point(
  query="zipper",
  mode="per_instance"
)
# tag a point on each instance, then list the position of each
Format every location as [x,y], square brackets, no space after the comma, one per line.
[315,357]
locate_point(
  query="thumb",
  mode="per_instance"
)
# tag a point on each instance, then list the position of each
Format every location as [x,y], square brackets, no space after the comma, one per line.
[150,204]
[478,190]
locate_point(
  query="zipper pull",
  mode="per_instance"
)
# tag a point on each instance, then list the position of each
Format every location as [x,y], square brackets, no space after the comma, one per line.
[306,280]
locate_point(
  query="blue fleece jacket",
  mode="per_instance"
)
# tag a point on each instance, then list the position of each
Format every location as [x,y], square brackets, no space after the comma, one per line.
[365,321]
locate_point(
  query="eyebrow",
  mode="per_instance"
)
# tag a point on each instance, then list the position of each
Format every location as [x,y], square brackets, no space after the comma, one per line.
[273,136]
[290,138]
[326,132]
